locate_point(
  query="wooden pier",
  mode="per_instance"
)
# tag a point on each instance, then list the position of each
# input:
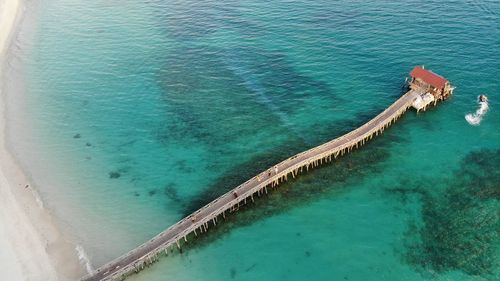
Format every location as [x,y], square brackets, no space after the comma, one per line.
[209,215]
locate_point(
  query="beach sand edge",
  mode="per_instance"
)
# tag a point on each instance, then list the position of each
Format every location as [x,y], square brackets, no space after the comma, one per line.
[33,247]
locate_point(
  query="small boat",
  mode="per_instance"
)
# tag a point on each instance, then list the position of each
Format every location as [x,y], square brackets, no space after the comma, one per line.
[475,118]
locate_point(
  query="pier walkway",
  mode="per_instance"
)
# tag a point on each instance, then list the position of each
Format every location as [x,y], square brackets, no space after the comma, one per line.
[199,221]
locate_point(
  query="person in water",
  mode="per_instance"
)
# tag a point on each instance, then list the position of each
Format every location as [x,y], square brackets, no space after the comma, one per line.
[483,98]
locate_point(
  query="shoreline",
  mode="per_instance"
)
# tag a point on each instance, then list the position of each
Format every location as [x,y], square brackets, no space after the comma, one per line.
[33,246]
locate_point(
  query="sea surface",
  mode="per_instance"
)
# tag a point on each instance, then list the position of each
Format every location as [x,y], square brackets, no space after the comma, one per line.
[129,115]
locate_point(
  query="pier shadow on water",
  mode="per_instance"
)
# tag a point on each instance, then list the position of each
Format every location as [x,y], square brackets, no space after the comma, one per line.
[460,222]
[322,182]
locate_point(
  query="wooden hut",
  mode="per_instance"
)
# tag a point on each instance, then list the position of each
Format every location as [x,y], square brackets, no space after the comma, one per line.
[426,81]
[429,86]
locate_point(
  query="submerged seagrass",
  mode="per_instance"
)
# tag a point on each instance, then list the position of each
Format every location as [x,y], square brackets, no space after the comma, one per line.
[461,223]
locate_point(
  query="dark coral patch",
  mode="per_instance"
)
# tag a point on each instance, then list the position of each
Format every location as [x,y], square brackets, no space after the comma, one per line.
[170,191]
[232,272]
[114,175]
[460,224]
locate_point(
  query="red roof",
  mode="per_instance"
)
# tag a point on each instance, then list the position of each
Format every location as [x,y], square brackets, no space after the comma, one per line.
[428,77]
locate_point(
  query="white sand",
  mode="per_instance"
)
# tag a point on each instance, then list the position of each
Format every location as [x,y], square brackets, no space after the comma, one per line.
[31,245]
[8,13]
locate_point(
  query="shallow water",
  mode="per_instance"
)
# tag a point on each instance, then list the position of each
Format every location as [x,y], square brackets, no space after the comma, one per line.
[137,113]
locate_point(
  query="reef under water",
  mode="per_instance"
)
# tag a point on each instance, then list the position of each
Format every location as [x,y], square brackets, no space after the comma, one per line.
[460,223]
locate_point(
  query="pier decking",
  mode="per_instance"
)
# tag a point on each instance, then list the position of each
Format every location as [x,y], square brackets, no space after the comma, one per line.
[199,221]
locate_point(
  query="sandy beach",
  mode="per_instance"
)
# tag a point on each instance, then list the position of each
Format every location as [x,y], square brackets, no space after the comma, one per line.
[32,246]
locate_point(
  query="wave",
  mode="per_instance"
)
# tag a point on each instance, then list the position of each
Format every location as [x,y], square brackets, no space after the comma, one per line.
[38,199]
[476,118]
[484,7]
[84,259]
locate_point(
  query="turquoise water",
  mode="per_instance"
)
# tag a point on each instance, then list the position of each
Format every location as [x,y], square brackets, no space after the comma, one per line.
[136,113]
